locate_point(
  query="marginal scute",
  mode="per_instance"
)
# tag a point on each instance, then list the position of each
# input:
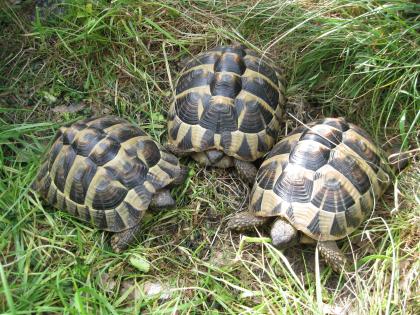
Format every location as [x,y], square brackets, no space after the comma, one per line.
[290,215]
[64,162]
[52,195]
[360,147]
[225,140]
[313,226]
[367,203]
[68,135]
[257,201]
[173,132]
[258,65]
[186,142]
[352,218]
[207,140]
[244,150]
[54,151]
[262,144]
[99,219]
[337,229]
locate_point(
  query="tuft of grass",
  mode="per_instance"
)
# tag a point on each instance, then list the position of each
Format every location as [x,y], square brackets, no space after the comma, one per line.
[358,59]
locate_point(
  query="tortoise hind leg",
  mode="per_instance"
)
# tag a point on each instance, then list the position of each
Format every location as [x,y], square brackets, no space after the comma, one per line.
[121,240]
[162,200]
[246,170]
[333,256]
[175,150]
[283,234]
[245,221]
[180,179]
[214,156]
[398,160]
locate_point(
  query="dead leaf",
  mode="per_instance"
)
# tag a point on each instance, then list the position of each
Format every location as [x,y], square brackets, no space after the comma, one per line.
[157,289]
[71,108]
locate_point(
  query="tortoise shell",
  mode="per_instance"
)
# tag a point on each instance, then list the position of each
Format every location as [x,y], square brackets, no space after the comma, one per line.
[228,99]
[324,178]
[105,171]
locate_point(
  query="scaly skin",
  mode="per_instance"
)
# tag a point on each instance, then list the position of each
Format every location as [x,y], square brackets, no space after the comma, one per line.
[181,177]
[246,170]
[175,150]
[246,221]
[162,200]
[121,240]
[333,256]
[283,234]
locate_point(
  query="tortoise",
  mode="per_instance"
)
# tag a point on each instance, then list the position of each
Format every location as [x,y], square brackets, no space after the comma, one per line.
[108,172]
[319,184]
[227,109]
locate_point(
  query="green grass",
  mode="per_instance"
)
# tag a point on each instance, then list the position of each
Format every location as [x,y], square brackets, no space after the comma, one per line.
[358,59]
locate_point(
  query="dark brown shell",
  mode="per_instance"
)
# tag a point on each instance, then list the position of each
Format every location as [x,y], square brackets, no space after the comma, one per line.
[227,99]
[324,178]
[105,171]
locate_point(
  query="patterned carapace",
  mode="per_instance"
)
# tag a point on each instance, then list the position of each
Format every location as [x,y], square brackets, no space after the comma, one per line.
[228,99]
[324,178]
[105,171]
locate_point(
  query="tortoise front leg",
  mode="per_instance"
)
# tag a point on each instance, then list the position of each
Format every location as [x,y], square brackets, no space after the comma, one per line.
[333,256]
[121,240]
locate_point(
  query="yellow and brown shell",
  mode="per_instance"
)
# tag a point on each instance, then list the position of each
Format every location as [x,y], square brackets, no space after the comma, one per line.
[105,171]
[324,178]
[228,99]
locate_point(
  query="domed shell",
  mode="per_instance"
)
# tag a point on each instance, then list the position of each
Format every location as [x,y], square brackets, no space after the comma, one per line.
[228,99]
[324,178]
[105,171]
